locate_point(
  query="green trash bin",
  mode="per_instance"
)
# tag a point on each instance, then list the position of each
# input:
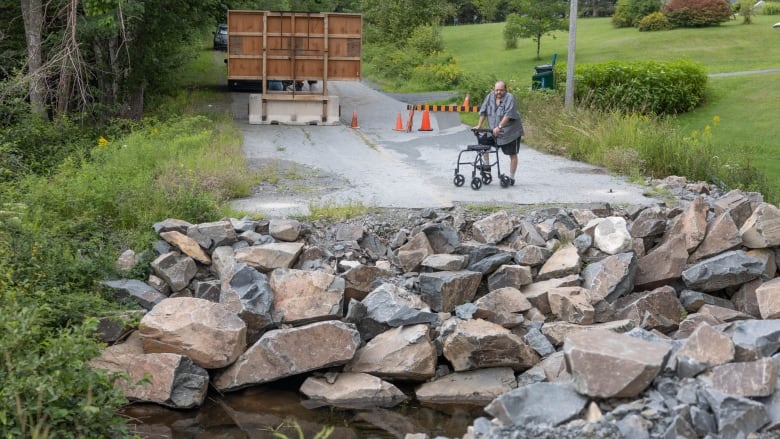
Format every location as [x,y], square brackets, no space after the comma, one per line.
[543,80]
[545,75]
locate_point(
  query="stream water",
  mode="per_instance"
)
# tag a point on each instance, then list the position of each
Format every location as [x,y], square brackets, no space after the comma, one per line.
[259,412]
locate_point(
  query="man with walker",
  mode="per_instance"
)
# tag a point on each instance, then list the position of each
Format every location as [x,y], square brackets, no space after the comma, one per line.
[500,110]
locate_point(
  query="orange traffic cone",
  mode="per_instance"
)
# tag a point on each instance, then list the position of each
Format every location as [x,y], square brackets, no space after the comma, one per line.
[426,122]
[354,120]
[466,101]
[399,124]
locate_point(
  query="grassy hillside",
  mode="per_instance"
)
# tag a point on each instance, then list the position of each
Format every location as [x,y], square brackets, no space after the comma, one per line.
[746,105]
[726,48]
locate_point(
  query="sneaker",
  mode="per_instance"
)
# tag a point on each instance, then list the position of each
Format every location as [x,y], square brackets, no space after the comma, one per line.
[511,181]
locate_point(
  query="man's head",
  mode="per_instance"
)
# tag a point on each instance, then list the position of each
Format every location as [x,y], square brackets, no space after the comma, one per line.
[499,88]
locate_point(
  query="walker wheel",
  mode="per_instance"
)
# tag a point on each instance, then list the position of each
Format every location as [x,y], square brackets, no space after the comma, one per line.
[458,180]
[476,183]
[487,178]
[505,181]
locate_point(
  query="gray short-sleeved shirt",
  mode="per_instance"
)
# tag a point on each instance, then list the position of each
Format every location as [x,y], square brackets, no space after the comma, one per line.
[494,113]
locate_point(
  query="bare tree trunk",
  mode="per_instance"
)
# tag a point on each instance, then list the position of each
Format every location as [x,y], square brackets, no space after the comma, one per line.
[113,57]
[70,51]
[32,13]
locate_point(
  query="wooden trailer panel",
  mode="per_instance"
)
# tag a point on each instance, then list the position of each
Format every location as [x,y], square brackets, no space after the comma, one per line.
[294,46]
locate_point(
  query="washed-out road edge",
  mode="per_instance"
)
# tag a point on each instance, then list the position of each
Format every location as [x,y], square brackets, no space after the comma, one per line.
[378,167]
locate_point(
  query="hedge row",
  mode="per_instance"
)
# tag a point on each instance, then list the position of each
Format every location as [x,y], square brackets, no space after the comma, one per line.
[647,87]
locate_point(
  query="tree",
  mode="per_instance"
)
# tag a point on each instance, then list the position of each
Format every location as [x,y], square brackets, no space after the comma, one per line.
[12,38]
[597,8]
[392,21]
[629,12]
[32,13]
[49,69]
[98,57]
[487,9]
[537,18]
[746,11]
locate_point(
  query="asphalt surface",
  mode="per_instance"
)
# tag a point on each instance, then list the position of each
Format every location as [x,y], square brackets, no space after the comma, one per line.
[377,166]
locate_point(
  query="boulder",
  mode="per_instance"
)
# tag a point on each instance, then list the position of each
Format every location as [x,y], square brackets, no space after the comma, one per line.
[206,332]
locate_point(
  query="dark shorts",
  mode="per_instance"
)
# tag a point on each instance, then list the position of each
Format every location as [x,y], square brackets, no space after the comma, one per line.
[512,147]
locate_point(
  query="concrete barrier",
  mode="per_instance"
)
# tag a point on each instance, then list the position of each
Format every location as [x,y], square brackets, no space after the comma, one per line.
[294,109]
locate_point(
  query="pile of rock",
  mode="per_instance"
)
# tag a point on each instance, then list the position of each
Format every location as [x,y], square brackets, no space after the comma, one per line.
[644,321]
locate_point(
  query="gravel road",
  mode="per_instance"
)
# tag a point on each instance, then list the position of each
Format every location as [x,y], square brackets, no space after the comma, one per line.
[376,166]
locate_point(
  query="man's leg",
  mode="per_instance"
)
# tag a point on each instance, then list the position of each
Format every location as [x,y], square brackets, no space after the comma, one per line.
[512,150]
[512,165]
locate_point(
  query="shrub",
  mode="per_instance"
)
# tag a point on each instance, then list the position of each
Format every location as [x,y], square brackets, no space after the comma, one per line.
[698,13]
[47,388]
[653,22]
[629,12]
[745,8]
[32,145]
[647,87]
[511,31]
[420,59]
[426,40]
[621,17]
[438,71]
[770,9]
[389,62]
[164,169]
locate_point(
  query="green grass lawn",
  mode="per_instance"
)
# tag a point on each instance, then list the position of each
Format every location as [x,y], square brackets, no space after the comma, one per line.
[729,47]
[746,105]
[748,110]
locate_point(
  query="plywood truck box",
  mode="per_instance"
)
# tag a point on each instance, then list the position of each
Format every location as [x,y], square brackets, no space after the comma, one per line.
[293,47]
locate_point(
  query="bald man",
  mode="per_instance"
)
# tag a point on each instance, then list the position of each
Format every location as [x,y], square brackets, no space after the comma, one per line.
[500,110]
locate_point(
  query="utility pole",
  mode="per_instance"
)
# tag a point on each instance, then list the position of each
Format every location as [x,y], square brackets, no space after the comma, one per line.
[569,96]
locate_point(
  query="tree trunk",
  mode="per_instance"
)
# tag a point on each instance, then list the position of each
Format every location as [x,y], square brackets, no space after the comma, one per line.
[32,14]
[538,46]
[71,64]
[116,69]
[135,105]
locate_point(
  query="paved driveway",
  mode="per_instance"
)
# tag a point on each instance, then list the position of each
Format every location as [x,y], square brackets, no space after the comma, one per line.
[377,166]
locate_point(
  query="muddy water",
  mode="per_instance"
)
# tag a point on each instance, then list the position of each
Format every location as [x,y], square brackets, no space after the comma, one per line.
[258,412]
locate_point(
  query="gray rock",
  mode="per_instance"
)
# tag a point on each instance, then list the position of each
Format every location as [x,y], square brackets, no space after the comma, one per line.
[612,277]
[634,363]
[175,269]
[445,290]
[725,270]
[531,404]
[693,300]
[736,416]
[491,263]
[143,293]
[351,391]
[442,238]
[754,339]
[213,235]
[248,294]
[538,342]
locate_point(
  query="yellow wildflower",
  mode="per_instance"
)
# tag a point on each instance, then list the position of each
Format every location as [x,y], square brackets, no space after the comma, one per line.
[102,142]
